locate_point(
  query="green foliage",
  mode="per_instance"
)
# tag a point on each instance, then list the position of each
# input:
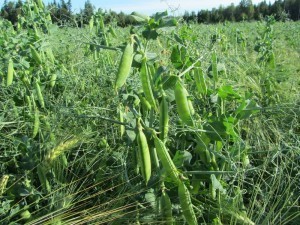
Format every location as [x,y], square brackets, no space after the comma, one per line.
[205,128]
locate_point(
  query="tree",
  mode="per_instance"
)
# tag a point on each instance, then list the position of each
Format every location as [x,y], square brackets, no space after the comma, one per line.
[69,6]
[228,13]
[88,11]
[11,11]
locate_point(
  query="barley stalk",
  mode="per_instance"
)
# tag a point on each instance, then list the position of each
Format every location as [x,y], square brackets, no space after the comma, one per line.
[61,148]
[3,183]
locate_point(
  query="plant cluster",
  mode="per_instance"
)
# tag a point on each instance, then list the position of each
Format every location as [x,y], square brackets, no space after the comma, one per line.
[162,123]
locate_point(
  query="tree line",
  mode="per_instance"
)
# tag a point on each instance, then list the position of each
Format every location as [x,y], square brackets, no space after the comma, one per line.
[282,10]
[61,12]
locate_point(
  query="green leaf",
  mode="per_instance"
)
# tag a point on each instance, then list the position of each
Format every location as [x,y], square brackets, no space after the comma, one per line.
[167,23]
[216,130]
[216,184]
[151,198]
[180,58]
[247,109]
[170,95]
[182,157]
[169,82]
[150,34]
[227,92]
[160,15]
[178,39]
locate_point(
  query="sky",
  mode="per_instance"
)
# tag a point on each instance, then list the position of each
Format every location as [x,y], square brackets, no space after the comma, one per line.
[151,6]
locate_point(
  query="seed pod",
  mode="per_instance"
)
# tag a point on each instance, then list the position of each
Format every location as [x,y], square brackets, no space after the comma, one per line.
[121,117]
[125,65]
[33,101]
[212,191]
[214,161]
[25,80]
[186,204]
[28,102]
[35,55]
[165,159]
[182,104]
[146,84]
[143,154]
[10,72]
[112,31]
[145,104]
[50,55]
[53,80]
[208,156]
[200,80]
[191,107]
[166,208]
[25,215]
[36,124]
[39,94]
[163,119]
[154,157]
[43,179]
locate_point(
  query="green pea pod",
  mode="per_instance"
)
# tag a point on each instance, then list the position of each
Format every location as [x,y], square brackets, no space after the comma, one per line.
[163,119]
[53,80]
[43,179]
[35,55]
[183,108]
[200,80]
[10,72]
[146,84]
[145,104]
[121,118]
[36,124]
[143,154]
[39,94]
[124,66]
[166,208]
[186,204]
[112,31]
[165,159]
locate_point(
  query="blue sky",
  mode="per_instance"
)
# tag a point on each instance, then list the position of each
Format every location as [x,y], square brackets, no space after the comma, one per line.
[149,7]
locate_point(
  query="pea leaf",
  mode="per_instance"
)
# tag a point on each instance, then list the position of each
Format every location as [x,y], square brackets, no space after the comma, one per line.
[216,185]
[181,158]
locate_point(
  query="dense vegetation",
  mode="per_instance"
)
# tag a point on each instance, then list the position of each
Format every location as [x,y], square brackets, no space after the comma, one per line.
[61,13]
[161,123]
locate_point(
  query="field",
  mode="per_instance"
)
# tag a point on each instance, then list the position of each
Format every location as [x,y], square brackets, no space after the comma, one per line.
[160,123]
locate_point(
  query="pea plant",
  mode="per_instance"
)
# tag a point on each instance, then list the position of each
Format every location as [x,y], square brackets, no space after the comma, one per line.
[181,141]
